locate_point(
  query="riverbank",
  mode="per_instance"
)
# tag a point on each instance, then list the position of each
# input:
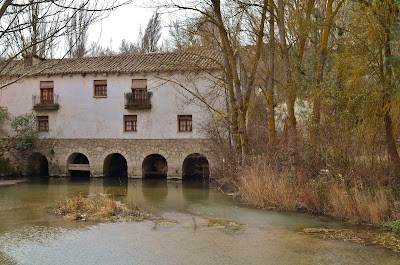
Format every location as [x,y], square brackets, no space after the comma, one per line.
[366,238]
[7,182]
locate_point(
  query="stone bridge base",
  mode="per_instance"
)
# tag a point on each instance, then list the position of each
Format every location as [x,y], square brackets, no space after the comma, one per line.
[59,151]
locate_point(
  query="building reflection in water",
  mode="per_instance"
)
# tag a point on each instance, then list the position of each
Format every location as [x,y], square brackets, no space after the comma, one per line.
[115,186]
[195,191]
[154,190]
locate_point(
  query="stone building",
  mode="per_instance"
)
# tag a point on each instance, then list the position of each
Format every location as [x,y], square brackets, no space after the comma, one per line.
[127,115]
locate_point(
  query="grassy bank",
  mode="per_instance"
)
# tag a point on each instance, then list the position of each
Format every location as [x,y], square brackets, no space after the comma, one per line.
[264,187]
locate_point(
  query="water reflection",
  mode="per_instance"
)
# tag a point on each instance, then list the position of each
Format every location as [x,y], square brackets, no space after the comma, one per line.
[31,234]
[195,191]
[40,180]
[154,190]
[115,186]
[96,186]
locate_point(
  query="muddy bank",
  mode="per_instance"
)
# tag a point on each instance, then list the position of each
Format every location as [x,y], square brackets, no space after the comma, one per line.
[6,182]
[366,238]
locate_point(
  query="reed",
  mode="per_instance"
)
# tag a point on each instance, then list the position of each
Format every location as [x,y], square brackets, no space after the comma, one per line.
[263,186]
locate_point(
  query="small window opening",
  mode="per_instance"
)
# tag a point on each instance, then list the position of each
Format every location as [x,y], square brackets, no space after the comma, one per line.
[43,123]
[185,123]
[130,123]
[100,88]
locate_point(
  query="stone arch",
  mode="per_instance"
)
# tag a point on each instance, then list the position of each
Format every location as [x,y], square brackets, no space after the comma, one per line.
[154,166]
[195,167]
[115,165]
[76,164]
[38,165]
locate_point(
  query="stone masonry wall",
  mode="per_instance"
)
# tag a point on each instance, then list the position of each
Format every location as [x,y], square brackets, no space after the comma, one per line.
[57,152]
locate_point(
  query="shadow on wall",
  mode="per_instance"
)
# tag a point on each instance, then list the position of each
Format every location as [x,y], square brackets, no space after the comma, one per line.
[154,167]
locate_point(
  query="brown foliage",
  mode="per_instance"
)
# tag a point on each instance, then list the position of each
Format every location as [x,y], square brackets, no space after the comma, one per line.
[97,207]
[265,187]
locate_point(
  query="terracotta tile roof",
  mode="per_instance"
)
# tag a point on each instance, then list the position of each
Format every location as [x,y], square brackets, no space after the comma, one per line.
[122,64]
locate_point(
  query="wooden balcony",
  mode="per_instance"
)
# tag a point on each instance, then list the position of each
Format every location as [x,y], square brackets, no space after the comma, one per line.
[138,102]
[50,103]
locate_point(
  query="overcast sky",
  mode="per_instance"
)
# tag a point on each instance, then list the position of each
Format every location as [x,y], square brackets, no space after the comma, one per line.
[123,23]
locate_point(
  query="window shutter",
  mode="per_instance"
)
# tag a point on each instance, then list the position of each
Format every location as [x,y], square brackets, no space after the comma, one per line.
[46,84]
[100,82]
[139,83]
[130,117]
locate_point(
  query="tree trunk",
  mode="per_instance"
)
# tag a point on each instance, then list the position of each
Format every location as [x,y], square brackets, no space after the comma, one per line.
[388,91]
[391,144]
[323,55]
[291,90]
[270,99]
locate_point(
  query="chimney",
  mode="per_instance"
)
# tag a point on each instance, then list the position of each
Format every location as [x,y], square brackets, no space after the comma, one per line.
[31,60]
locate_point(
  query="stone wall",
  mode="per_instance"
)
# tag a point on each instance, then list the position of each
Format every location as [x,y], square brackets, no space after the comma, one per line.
[57,152]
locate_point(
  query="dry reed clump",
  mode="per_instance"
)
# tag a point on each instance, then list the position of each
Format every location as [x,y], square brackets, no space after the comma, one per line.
[264,187]
[261,186]
[358,205]
[98,207]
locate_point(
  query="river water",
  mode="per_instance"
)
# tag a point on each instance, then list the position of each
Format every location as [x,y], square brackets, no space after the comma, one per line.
[30,234]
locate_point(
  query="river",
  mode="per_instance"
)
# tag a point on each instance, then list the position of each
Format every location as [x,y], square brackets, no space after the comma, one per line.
[31,234]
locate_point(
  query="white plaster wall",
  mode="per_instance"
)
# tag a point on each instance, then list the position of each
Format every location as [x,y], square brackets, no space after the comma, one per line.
[81,115]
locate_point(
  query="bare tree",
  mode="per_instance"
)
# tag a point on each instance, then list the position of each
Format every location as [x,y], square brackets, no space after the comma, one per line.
[152,34]
[127,47]
[35,27]
[224,23]
[77,34]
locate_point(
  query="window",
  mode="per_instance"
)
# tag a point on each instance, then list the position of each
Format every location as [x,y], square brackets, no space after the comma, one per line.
[139,91]
[185,123]
[100,88]
[46,92]
[130,123]
[43,123]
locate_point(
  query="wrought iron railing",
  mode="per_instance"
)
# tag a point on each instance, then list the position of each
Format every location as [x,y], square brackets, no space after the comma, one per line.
[48,103]
[138,101]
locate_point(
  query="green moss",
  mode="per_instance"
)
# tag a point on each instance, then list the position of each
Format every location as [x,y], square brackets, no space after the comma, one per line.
[165,223]
[393,227]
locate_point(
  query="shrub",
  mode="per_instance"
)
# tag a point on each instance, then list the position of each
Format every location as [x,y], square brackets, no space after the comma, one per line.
[393,227]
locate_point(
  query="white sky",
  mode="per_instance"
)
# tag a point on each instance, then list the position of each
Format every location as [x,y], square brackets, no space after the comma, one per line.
[123,23]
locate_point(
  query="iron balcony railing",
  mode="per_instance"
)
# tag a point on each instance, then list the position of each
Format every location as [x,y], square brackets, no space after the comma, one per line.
[48,103]
[138,101]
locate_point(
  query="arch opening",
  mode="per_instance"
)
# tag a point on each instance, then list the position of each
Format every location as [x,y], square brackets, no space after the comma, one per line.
[115,166]
[195,168]
[154,167]
[78,165]
[37,165]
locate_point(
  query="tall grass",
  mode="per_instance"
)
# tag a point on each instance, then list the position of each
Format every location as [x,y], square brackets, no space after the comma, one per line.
[262,187]
[358,205]
[265,187]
